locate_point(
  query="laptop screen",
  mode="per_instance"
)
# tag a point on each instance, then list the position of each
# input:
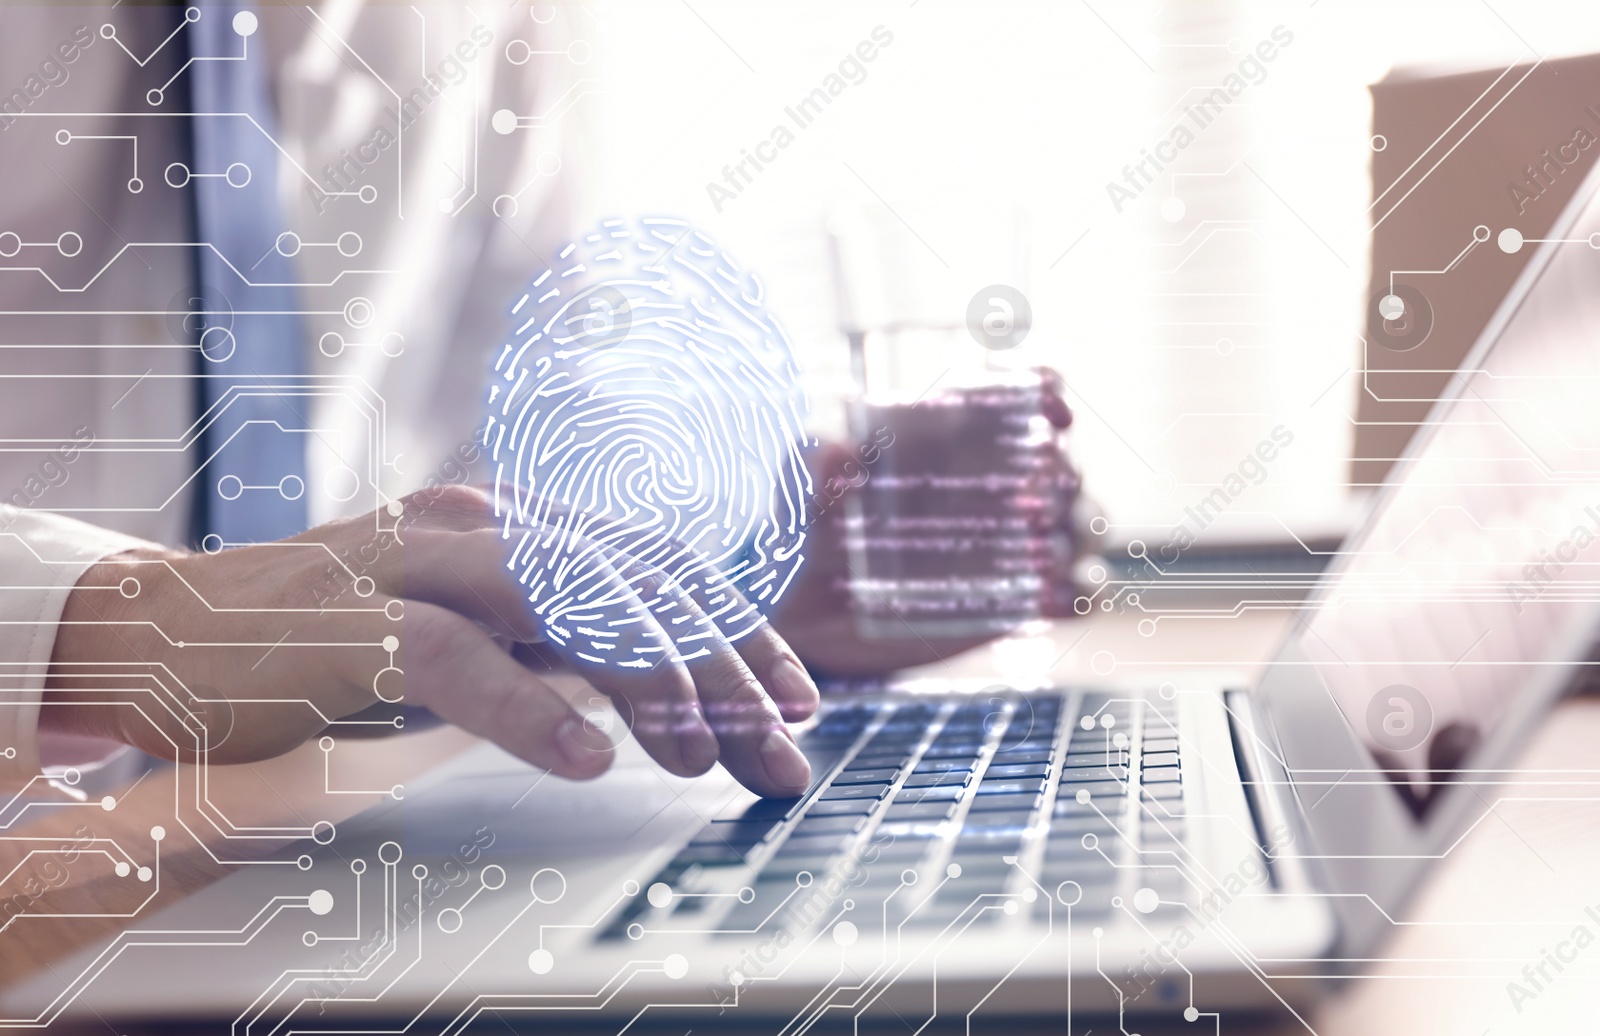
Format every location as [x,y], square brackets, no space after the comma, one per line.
[1481,560]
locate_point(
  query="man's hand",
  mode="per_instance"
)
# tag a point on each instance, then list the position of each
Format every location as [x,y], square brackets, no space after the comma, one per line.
[254,649]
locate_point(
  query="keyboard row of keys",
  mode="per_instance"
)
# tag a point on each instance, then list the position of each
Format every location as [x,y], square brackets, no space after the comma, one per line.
[1085,844]
[1001,811]
[961,801]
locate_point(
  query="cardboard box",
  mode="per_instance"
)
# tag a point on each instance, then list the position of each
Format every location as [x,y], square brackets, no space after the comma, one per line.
[1460,152]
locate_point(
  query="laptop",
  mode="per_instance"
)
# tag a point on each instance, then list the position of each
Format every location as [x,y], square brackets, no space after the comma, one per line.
[970,854]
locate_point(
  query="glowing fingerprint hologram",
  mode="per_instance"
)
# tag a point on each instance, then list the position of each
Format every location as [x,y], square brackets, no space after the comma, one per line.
[645,428]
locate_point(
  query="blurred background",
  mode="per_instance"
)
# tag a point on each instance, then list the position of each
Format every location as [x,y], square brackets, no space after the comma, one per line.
[1190,315]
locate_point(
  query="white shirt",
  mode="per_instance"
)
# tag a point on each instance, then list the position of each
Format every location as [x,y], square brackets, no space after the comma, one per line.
[96,402]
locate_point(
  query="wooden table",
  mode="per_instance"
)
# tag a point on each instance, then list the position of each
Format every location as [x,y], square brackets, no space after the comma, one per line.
[1527,862]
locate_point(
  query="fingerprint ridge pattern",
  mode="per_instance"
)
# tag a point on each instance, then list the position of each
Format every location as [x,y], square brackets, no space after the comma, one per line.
[648,406]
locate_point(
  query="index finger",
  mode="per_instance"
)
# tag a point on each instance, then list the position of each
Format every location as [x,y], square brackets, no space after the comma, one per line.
[756,746]
[766,654]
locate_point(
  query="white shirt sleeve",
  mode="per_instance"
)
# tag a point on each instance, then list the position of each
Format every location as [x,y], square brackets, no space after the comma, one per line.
[42,557]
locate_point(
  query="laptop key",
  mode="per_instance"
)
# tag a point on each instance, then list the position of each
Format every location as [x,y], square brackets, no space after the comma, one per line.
[854,791]
[1100,791]
[1004,803]
[944,792]
[876,775]
[1030,786]
[1160,775]
[1012,818]
[1033,756]
[944,778]
[919,810]
[1027,745]
[1080,774]
[840,807]
[944,765]
[844,825]
[910,837]
[877,762]
[952,750]
[1007,769]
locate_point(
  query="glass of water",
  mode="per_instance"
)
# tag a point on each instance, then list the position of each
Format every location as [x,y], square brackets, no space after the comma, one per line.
[960,513]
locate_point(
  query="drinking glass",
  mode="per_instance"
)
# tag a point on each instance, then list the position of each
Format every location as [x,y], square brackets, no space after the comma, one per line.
[957,518]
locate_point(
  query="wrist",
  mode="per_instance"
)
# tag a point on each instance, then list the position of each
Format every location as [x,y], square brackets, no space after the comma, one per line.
[108,618]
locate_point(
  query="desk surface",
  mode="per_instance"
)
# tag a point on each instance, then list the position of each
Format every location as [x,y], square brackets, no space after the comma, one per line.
[1516,885]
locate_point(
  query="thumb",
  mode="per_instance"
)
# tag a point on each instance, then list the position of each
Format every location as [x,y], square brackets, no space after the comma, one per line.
[1053,389]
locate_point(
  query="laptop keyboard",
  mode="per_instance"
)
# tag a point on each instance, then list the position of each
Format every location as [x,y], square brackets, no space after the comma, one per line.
[943,810]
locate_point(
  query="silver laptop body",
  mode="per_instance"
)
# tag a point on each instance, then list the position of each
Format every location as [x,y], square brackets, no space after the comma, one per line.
[971,853]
